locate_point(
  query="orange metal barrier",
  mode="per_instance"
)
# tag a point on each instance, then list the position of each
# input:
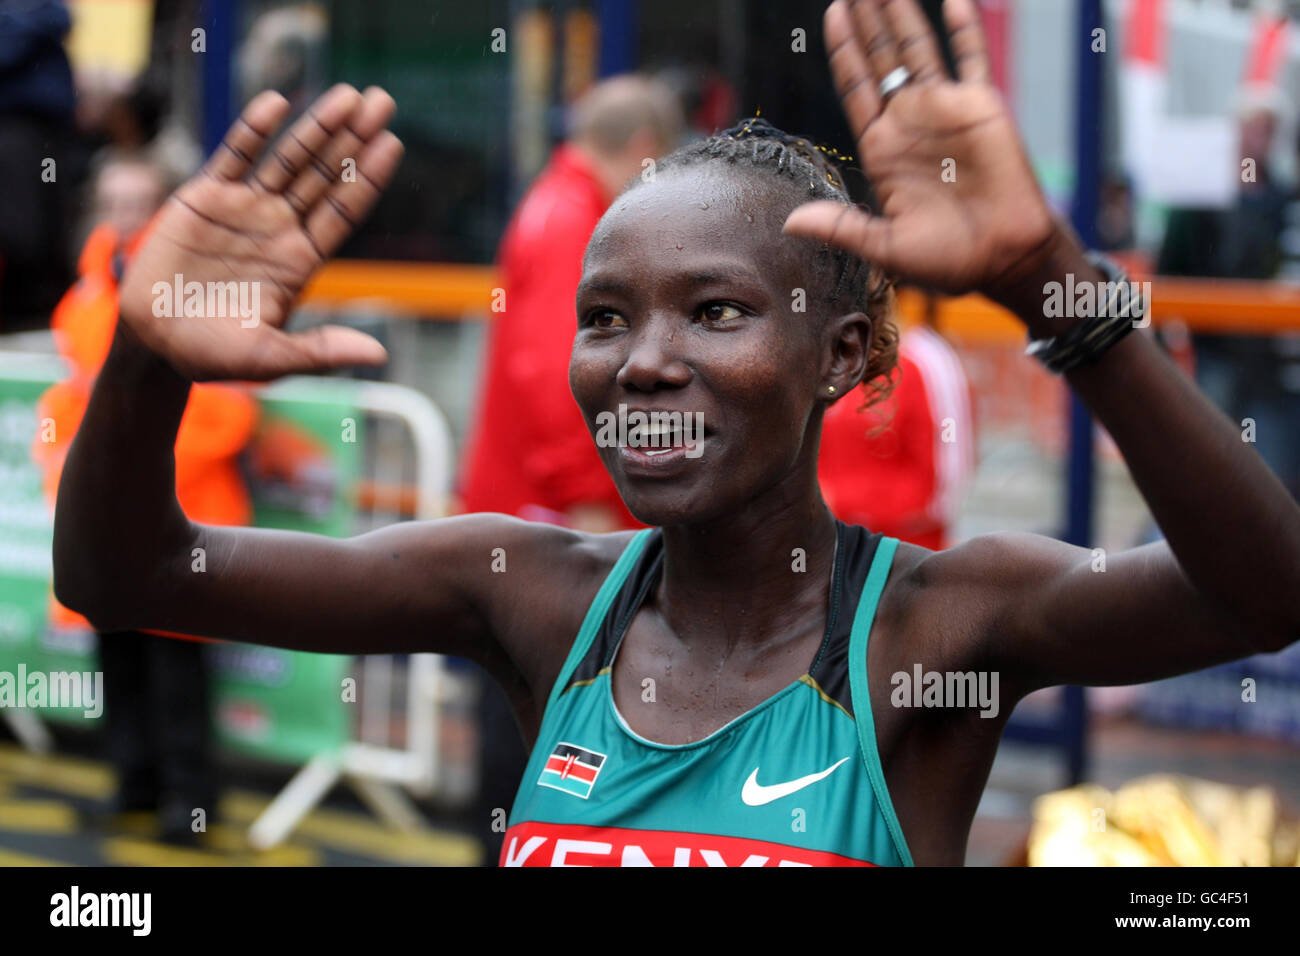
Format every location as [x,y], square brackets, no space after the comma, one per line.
[422,289]
[1203,305]
[446,292]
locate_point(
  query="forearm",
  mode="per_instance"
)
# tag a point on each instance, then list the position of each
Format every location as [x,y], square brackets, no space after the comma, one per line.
[1227,519]
[117,521]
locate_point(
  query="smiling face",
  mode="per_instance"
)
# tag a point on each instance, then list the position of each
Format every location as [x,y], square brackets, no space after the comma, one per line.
[687,305]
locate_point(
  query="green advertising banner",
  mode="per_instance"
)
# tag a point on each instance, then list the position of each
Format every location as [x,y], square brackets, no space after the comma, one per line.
[302,467]
[27,646]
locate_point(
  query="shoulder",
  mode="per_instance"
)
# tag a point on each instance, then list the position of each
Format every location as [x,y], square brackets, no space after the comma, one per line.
[949,602]
[536,582]
[982,568]
[526,559]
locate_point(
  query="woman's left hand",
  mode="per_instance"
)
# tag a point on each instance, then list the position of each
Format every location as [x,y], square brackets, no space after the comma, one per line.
[960,207]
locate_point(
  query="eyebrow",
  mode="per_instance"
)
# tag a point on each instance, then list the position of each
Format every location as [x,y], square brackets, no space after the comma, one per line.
[723,274]
[614,284]
[608,284]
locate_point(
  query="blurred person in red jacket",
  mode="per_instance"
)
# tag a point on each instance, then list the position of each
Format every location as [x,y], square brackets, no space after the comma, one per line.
[157,719]
[900,467]
[529,453]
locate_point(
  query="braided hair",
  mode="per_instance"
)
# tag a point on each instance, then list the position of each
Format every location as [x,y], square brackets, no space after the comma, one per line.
[845,282]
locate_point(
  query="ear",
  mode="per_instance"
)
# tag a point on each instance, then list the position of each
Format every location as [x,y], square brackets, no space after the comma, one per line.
[846,348]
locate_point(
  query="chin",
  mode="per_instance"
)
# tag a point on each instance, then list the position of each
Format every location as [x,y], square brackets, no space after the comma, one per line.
[663,506]
[682,492]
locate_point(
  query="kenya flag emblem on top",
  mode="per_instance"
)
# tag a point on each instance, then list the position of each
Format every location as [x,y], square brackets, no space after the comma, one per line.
[571,769]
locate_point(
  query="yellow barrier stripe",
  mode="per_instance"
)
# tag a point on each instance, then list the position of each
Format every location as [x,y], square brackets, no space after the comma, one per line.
[72,775]
[221,846]
[130,851]
[347,831]
[11,858]
[343,831]
[37,816]
[233,840]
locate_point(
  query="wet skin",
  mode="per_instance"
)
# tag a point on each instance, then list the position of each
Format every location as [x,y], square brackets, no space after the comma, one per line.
[731,623]
[670,317]
[686,304]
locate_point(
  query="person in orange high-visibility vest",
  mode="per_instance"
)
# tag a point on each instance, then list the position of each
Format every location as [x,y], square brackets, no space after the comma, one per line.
[155,685]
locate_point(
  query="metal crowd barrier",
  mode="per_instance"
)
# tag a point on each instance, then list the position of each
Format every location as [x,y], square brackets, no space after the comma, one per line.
[397,731]
[393,744]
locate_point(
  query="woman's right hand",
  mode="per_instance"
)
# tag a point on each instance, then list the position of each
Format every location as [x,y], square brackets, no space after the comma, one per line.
[266,232]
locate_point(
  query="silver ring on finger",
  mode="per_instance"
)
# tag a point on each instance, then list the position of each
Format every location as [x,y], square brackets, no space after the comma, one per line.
[894,81]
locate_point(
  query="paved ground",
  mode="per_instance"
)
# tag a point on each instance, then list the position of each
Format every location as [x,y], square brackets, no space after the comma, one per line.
[47,806]
[51,807]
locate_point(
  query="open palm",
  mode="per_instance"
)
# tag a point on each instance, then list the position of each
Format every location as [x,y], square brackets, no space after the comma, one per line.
[959,206]
[253,237]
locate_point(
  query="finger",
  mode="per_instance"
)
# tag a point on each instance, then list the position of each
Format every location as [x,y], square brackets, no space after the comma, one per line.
[298,149]
[347,203]
[967,38]
[374,113]
[916,46]
[854,82]
[875,37]
[247,137]
[326,347]
[844,226]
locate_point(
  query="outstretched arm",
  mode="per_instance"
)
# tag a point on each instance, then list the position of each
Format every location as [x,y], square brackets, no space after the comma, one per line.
[1226,583]
[125,554]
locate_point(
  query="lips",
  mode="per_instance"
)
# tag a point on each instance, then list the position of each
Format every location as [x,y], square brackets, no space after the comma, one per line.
[657,446]
[660,462]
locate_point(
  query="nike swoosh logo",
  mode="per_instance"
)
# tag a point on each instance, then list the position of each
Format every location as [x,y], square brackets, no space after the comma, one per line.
[755,794]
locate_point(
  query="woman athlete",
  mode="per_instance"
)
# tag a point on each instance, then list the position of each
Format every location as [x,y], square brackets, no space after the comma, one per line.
[732,695]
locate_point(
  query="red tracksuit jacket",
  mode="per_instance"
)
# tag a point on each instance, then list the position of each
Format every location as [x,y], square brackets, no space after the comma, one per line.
[530,448]
[904,482]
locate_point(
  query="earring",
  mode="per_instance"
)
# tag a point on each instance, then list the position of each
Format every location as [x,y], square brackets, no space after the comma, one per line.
[831,389]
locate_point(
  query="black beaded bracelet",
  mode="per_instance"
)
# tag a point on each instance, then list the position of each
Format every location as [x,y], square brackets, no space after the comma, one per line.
[1085,341]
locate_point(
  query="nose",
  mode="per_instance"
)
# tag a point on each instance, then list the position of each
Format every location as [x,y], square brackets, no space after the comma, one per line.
[654,358]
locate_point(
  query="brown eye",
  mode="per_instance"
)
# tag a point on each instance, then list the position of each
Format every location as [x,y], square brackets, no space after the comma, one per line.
[720,312]
[605,319]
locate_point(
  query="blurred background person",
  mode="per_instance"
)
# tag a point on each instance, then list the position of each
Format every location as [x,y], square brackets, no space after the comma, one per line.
[1115,226]
[37,109]
[1247,376]
[156,689]
[529,452]
[900,467]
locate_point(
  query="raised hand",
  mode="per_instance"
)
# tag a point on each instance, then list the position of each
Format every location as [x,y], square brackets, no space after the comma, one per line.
[266,230]
[984,224]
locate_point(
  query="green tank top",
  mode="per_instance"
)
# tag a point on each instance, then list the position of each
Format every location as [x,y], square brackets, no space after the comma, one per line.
[796,781]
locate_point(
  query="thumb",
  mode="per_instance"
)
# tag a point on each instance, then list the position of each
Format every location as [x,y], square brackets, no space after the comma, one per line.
[332,346]
[842,225]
